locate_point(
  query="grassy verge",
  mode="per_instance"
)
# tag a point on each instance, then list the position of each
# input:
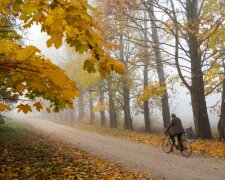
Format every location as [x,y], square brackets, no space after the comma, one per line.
[29,155]
[210,148]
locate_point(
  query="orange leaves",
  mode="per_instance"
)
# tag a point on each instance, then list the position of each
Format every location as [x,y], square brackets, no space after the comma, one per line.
[38,106]
[24,108]
[89,65]
[73,23]
[119,68]
[27,155]
[32,75]
[209,148]
[4,107]
[203,147]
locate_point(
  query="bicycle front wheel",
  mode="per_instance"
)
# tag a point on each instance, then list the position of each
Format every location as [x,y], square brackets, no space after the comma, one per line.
[166,145]
[187,148]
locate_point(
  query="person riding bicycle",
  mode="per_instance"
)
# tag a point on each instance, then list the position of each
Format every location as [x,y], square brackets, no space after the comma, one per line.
[175,129]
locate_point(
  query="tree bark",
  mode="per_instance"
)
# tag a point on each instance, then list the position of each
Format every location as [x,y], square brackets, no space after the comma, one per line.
[160,70]
[101,100]
[81,106]
[221,123]
[146,64]
[145,103]
[112,113]
[128,123]
[127,116]
[197,90]
[92,115]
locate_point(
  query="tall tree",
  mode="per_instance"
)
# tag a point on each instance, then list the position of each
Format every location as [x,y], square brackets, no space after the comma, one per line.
[91,105]
[191,29]
[101,100]
[112,112]
[159,66]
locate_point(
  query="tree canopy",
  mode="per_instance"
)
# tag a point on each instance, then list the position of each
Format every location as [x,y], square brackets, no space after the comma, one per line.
[24,72]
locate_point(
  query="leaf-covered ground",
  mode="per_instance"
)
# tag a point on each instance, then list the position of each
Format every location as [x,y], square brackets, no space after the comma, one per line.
[211,148]
[29,155]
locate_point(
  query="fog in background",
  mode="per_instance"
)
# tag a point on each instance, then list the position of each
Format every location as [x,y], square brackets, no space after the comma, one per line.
[180,104]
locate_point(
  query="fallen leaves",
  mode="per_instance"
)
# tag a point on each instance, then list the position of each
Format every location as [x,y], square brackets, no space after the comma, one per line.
[211,148]
[30,155]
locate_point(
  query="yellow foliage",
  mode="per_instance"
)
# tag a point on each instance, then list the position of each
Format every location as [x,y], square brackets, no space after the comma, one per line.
[27,73]
[152,90]
[74,69]
[24,108]
[4,107]
[38,106]
[100,107]
[69,20]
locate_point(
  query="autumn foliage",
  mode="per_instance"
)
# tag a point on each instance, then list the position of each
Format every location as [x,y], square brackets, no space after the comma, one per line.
[28,155]
[25,73]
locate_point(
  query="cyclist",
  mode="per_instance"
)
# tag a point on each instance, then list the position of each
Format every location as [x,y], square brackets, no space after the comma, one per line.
[175,129]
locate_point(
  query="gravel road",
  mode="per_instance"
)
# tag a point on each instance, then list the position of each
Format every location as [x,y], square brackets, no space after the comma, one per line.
[140,157]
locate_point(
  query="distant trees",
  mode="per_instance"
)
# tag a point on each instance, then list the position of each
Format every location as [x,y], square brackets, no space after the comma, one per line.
[182,31]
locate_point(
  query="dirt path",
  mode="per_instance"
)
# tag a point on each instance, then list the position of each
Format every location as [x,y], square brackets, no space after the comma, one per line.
[140,157]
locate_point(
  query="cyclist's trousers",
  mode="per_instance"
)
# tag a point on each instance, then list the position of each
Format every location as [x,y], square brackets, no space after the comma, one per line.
[179,137]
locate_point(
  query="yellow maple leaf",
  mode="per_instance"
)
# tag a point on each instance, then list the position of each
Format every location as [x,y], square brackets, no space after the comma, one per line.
[24,107]
[4,107]
[38,106]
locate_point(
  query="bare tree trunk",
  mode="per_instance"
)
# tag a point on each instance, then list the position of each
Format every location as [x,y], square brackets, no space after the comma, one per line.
[92,115]
[127,116]
[81,105]
[128,123]
[101,100]
[221,123]
[146,64]
[199,107]
[112,113]
[145,103]
[160,70]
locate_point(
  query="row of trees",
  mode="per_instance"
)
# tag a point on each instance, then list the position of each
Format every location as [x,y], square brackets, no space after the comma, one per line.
[145,35]
[149,35]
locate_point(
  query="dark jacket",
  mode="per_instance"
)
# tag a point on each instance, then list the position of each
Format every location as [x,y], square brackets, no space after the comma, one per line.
[175,127]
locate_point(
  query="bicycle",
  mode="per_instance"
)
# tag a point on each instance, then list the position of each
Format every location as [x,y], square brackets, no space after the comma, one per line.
[167,144]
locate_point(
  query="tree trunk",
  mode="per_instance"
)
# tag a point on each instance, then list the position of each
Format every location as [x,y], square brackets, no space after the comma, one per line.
[127,116]
[160,70]
[146,64]
[145,103]
[221,123]
[197,91]
[81,106]
[112,113]
[128,123]
[71,115]
[101,100]
[92,115]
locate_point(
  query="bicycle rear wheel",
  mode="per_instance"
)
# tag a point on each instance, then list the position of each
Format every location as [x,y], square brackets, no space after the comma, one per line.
[166,145]
[187,148]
